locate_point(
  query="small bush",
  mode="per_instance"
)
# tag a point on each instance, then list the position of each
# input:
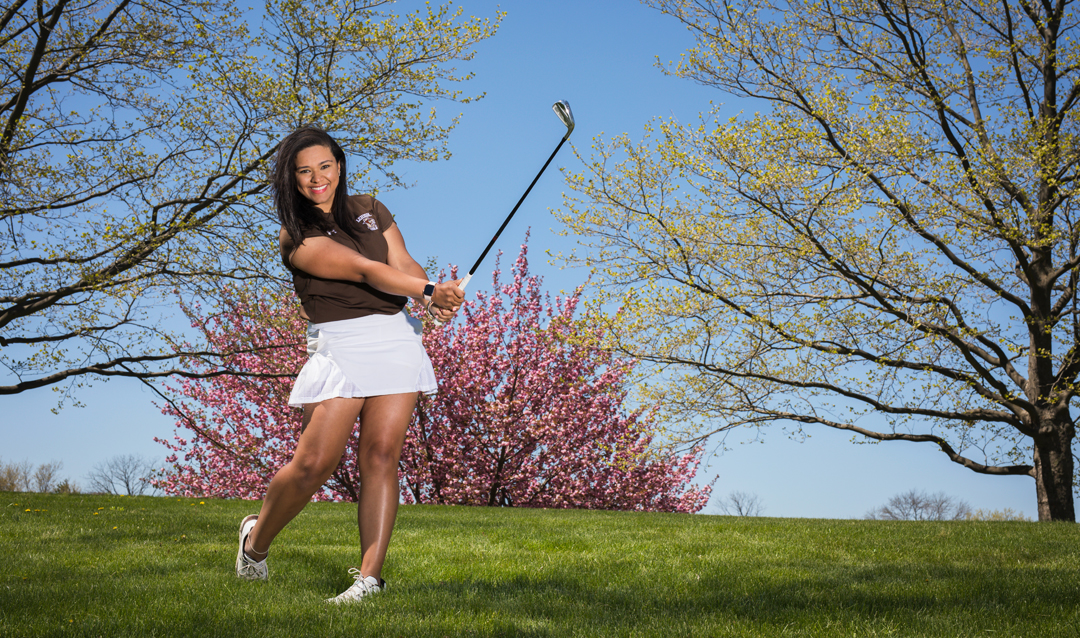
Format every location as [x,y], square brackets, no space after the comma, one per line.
[1006,514]
[66,487]
[741,504]
[15,477]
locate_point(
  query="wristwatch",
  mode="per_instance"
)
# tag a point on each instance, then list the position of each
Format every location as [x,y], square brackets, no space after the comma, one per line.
[429,290]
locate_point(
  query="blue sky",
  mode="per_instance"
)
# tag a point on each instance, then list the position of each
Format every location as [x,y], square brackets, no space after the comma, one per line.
[598,55]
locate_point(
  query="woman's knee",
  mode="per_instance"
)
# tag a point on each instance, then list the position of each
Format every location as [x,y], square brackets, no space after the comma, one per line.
[313,470]
[380,455]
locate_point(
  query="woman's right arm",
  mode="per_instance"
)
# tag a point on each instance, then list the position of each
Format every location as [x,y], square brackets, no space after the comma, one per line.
[325,258]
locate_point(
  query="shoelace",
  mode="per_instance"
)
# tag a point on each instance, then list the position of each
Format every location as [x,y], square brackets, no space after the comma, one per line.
[248,567]
[360,578]
[251,567]
[249,564]
[361,585]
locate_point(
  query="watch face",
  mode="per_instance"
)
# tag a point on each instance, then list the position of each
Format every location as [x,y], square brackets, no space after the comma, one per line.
[428,290]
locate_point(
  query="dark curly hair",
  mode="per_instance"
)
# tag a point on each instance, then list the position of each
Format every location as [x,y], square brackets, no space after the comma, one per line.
[295,211]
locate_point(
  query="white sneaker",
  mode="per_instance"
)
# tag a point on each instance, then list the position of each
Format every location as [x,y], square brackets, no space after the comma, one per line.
[247,568]
[362,586]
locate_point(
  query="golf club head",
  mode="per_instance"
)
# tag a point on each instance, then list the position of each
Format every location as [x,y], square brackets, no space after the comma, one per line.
[562,109]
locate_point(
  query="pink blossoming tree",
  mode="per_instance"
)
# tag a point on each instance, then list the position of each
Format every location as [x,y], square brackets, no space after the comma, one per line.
[235,432]
[529,413]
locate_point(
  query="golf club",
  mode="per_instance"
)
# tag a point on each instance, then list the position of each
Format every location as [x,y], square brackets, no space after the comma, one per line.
[562,109]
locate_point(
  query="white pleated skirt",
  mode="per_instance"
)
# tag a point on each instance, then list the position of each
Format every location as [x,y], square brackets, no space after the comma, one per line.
[364,357]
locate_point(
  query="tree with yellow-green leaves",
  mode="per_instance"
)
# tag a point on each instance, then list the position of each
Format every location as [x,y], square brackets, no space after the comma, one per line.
[134,142]
[888,245]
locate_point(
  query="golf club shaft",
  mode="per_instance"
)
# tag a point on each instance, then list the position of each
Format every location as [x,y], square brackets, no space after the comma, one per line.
[510,216]
[566,116]
[466,278]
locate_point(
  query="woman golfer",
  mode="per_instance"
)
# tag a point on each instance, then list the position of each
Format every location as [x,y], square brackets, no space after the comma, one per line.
[353,276]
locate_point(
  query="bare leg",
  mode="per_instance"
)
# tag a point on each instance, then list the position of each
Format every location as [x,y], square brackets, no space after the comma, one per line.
[384,421]
[327,427]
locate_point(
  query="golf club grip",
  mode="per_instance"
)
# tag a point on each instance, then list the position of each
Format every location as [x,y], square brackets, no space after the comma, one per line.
[464,282]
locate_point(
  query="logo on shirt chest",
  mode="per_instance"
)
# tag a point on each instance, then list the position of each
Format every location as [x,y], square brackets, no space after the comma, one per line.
[368,220]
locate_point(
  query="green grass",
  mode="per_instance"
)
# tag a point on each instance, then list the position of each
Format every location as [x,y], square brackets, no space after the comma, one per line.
[82,565]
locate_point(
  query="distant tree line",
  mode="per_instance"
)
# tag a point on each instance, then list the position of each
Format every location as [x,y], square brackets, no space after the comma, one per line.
[917,505]
[23,476]
[127,474]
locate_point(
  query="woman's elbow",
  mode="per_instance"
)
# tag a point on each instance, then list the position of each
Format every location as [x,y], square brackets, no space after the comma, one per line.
[359,270]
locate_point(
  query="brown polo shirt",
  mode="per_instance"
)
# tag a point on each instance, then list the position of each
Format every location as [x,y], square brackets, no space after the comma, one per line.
[334,299]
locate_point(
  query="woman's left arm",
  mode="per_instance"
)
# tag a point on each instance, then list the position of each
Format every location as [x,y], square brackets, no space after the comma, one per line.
[398,258]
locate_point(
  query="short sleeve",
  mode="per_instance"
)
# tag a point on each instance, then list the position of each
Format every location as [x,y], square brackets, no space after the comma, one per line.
[286,245]
[382,215]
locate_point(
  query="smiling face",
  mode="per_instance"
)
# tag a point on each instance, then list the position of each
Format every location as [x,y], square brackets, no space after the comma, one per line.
[317,174]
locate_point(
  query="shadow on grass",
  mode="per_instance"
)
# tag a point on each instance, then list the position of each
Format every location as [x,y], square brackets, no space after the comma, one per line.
[912,600]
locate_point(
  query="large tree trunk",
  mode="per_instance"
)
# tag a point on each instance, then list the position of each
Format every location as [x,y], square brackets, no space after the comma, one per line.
[1054,472]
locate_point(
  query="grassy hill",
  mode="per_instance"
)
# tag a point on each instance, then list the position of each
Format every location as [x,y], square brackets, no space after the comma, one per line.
[81,565]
